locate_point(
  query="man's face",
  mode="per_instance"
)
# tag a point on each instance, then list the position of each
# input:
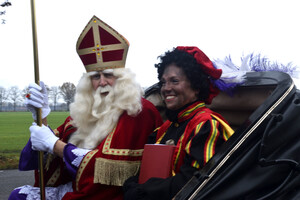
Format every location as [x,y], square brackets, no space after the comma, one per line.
[103,79]
[176,89]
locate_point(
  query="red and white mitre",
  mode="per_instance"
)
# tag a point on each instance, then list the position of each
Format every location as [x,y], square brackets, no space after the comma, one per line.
[101,47]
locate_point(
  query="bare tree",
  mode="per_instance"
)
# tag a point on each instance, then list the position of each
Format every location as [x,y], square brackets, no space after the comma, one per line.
[54,95]
[14,95]
[3,97]
[67,90]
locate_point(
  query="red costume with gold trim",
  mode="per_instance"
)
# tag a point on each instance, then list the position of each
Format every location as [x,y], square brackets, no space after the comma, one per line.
[104,169]
[98,173]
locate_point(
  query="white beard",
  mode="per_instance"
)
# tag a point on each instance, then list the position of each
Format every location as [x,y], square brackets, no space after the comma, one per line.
[95,115]
[105,116]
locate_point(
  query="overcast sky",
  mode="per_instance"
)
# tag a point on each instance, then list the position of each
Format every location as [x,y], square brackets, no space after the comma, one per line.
[219,28]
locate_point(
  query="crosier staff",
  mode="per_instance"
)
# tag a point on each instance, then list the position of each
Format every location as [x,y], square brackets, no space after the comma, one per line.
[39,111]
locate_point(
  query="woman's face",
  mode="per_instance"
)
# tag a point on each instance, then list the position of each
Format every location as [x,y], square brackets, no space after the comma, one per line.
[176,89]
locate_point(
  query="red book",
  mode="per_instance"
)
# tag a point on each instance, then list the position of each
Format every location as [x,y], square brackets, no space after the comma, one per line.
[156,162]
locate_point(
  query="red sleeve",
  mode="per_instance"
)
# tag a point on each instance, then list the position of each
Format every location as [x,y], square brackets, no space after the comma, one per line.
[65,130]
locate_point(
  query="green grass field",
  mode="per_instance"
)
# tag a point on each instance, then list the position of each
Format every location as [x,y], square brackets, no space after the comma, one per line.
[14,134]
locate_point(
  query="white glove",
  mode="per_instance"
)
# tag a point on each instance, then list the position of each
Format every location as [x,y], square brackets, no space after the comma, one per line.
[38,99]
[42,138]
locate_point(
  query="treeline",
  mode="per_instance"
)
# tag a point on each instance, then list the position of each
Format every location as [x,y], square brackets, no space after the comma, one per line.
[60,97]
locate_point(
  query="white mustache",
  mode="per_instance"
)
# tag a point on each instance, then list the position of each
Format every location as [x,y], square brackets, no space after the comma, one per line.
[104,89]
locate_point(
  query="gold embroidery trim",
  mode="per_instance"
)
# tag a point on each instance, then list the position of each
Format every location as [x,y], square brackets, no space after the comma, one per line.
[83,164]
[56,132]
[54,177]
[118,152]
[66,126]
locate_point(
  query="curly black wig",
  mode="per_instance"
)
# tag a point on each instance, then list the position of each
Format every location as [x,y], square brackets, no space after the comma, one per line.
[193,71]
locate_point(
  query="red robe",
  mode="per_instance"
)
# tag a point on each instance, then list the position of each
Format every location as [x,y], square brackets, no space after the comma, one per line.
[103,170]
